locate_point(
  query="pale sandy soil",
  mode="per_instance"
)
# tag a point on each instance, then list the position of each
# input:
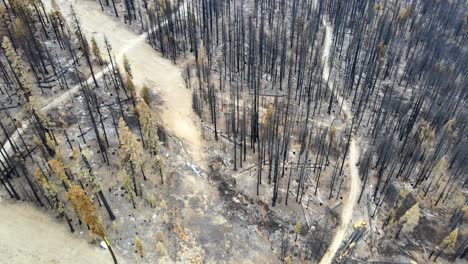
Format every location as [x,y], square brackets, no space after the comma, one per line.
[28,235]
[355,185]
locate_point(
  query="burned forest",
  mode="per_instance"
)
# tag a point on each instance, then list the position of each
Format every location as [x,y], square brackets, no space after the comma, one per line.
[233,131]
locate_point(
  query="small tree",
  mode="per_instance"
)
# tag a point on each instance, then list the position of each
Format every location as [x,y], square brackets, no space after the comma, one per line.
[131,152]
[51,144]
[448,243]
[160,236]
[19,28]
[161,164]
[161,249]
[410,220]
[139,246]
[4,17]
[149,126]
[426,134]
[96,51]
[404,13]
[127,66]
[130,87]
[382,51]
[268,115]
[128,186]
[297,229]
[50,189]
[59,170]
[451,240]
[449,126]
[145,95]
[150,199]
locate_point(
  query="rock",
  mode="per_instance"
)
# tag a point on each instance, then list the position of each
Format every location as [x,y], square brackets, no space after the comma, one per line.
[103,245]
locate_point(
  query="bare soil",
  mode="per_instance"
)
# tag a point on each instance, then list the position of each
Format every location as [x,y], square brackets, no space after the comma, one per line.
[29,235]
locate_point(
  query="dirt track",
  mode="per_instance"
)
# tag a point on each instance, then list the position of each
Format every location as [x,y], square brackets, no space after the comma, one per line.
[354,185]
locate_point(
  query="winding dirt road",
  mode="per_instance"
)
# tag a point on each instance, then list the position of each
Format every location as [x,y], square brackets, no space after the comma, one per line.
[355,185]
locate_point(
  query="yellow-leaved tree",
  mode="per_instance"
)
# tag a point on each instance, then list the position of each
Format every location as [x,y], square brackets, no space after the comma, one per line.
[19,71]
[49,188]
[297,229]
[447,244]
[149,127]
[145,94]
[88,212]
[127,66]
[131,153]
[58,168]
[410,220]
[130,87]
[128,186]
[96,51]
[139,246]
[50,191]
[24,92]
[450,240]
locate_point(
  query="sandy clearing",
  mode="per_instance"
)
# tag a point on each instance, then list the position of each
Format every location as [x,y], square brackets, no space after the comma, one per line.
[355,185]
[31,236]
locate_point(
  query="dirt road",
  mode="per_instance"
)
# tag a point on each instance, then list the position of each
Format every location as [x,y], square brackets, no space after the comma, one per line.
[355,185]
